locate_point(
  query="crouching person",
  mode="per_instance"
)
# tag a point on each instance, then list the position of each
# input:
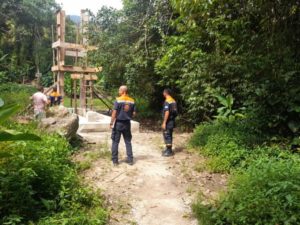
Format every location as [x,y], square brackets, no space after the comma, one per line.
[55,97]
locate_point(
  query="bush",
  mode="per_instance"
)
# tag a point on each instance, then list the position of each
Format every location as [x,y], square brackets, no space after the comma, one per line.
[39,183]
[144,110]
[268,192]
[243,131]
[226,145]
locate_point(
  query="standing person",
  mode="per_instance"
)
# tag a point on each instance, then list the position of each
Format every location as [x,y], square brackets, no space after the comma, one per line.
[169,116]
[124,110]
[39,103]
[55,97]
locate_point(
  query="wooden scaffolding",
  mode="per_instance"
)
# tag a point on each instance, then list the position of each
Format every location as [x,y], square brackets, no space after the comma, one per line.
[80,71]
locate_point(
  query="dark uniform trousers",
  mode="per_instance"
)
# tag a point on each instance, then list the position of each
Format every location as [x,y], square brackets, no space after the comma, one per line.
[168,133]
[121,128]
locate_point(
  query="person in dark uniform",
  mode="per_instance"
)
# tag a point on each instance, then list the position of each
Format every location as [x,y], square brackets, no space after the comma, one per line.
[169,116]
[123,112]
[55,97]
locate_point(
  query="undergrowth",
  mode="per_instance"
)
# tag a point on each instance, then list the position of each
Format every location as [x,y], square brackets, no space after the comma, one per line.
[39,184]
[266,193]
[264,188]
[227,145]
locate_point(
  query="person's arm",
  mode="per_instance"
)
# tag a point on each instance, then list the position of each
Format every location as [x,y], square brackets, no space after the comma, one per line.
[113,118]
[114,115]
[166,117]
[46,100]
[134,111]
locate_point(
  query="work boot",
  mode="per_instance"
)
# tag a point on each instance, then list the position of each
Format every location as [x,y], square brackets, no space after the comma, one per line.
[164,152]
[129,162]
[115,164]
[168,152]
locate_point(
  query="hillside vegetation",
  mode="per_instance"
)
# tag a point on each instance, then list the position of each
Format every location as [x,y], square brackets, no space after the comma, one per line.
[234,67]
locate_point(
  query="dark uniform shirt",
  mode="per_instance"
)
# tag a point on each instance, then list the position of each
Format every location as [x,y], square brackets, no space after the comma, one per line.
[171,106]
[125,108]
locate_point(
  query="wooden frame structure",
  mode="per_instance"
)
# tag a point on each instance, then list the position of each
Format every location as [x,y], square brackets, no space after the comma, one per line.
[84,73]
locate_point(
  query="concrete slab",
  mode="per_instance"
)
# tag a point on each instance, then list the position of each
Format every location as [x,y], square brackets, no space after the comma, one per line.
[96,122]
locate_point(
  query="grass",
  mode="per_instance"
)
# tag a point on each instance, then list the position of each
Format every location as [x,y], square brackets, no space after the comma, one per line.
[98,104]
[99,151]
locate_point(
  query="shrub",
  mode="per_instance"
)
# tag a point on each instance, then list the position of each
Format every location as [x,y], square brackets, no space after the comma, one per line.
[37,180]
[243,131]
[267,192]
[144,109]
[226,145]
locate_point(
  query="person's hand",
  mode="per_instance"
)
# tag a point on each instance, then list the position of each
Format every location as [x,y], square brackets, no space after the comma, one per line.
[163,126]
[111,126]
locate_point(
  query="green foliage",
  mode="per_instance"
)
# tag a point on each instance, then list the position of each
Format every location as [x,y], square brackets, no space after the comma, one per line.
[238,48]
[6,111]
[227,145]
[25,30]
[14,93]
[39,183]
[129,42]
[266,193]
[144,110]
[226,112]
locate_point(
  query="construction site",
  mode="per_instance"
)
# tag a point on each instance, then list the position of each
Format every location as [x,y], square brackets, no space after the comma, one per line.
[82,75]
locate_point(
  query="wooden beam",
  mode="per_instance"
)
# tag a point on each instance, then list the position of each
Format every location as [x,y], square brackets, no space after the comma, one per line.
[89,77]
[61,28]
[71,46]
[72,53]
[76,69]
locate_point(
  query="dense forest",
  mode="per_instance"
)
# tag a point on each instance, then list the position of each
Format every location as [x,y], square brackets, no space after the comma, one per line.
[234,68]
[244,49]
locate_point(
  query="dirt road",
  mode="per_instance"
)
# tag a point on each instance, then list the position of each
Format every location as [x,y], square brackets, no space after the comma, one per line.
[155,190]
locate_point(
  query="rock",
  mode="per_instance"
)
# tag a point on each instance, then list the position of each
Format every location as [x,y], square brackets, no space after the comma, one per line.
[60,121]
[58,111]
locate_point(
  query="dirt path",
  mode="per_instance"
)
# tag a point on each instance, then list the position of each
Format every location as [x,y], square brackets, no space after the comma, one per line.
[156,190]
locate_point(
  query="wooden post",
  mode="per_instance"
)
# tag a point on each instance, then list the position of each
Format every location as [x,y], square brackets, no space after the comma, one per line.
[75,95]
[92,94]
[83,94]
[61,83]
[61,26]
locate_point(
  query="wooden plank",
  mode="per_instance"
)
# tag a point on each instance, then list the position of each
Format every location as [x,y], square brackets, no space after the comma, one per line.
[76,76]
[72,53]
[72,46]
[76,69]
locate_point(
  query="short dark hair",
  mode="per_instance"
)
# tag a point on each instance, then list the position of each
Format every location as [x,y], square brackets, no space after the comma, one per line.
[55,88]
[168,91]
[41,88]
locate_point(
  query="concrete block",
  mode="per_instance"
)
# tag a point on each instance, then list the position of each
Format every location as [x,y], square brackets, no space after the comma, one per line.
[96,122]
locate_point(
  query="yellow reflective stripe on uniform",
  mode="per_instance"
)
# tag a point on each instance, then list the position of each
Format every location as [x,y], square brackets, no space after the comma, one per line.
[54,94]
[170,100]
[125,99]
